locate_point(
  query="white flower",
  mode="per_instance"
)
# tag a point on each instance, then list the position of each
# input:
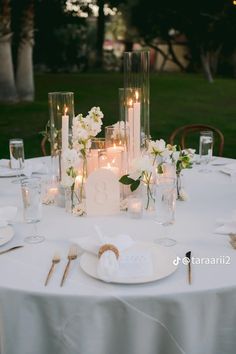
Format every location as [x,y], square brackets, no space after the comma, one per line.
[70,157]
[171,148]
[158,147]
[175,155]
[79,210]
[68,181]
[48,199]
[189,152]
[84,129]
[183,196]
[143,164]
[124,204]
[96,113]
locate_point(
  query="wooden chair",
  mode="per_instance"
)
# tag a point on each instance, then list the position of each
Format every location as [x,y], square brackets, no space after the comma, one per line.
[183,131]
[43,145]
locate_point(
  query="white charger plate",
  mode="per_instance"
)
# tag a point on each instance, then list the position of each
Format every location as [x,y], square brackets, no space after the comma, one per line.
[162,259]
[6,234]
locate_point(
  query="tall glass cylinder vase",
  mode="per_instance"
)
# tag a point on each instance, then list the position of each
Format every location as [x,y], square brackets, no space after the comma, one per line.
[136,92]
[122,104]
[61,110]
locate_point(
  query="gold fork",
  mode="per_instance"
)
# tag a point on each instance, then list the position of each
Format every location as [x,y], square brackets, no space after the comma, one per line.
[56,259]
[72,255]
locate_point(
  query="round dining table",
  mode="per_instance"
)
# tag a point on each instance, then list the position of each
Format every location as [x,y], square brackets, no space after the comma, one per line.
[89,316]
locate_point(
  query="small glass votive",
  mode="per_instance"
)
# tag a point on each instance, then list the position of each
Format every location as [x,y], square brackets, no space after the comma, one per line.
[97,144]
[111,161]
[135,207]
[50,190]
[16,148]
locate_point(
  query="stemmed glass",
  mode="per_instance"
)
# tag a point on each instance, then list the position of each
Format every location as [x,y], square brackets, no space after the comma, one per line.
[17,156]
[205,150]
[165,200]
[31,194]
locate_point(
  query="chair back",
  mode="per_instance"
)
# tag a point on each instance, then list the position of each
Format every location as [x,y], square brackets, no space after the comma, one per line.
[183,131]
[43,145]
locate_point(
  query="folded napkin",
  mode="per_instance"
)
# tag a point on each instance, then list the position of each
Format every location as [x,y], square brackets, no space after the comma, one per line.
[129,264]
[30,166]
[227,226]
[229,169]
[7,215]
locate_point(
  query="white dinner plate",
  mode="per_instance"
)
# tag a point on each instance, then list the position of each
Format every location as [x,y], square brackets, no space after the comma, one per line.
[162,260]
[6,234]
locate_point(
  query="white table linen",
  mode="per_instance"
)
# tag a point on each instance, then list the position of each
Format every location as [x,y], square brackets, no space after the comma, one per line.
[88,316]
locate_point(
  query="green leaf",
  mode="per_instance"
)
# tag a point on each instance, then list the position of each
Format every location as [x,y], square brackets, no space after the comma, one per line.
[134,185]
[126,180]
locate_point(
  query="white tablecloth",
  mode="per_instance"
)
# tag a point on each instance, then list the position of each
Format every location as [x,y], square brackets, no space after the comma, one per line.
[88,316]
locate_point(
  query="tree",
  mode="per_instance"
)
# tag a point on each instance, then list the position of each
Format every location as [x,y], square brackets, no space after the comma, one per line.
[101,21]
[205,24]
[7,81]
[24,71]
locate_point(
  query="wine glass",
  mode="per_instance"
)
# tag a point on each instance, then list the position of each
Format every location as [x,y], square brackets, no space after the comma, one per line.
[31,194]
[205,150]
[17,156]
[165,200]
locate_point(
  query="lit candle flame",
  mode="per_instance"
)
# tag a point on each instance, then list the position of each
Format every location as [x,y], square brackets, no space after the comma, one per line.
[137,96]
[130,103]
[65,110]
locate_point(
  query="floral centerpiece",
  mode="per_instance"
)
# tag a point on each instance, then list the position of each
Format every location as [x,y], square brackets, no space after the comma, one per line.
[183,159]
[83,130]
[145,168]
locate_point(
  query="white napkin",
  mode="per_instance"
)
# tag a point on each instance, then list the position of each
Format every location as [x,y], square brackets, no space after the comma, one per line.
[229,169]
[30,166]
[7,215]
[227,226]
[129,264]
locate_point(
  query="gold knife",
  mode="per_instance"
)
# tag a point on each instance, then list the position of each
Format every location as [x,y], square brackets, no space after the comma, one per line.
[188,255]
[11,249]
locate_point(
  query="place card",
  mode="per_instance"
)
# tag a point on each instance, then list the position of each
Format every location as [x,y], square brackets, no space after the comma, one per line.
[102,193]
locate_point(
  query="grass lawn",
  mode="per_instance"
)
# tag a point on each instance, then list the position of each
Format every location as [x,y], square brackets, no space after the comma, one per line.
[176,99]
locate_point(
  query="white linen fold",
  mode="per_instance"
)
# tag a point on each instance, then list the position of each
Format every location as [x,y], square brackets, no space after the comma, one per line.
[227,226]
[229,169]
[30,166]
[7,215]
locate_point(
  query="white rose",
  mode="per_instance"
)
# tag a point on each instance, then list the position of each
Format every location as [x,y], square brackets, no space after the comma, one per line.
[70,157]
[183,196]
[176,155]
[68,181]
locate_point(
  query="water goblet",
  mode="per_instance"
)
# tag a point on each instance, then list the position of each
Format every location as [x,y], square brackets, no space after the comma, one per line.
[16,149]
[31,194]
[205,150]
[165,200]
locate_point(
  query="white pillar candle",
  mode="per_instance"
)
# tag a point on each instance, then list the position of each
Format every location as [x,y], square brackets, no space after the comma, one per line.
[64,131]
[113,169]
[92,160]
[135,207]
[78,181]
[114,155]
[131,129]
[137,125]
[64,142]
